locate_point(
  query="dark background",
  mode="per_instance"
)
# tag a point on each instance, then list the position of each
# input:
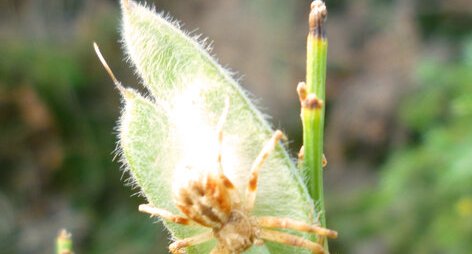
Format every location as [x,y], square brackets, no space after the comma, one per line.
[398,134]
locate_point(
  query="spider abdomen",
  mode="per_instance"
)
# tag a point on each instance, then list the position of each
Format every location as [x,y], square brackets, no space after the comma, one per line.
[206,200]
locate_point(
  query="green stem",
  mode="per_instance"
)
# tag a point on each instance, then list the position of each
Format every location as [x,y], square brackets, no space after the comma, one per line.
[64,243]
[313,109]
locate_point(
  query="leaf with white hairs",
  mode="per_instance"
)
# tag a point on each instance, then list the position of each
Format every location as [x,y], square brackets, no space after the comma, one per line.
[176,126]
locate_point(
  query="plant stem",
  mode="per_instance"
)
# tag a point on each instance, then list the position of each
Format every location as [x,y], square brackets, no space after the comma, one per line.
[312,97]
[64,243]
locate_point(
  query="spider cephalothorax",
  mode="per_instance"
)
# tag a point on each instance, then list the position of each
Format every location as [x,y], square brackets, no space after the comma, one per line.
[211,200]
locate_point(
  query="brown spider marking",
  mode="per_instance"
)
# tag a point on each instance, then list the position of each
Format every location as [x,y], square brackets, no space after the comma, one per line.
[212,201]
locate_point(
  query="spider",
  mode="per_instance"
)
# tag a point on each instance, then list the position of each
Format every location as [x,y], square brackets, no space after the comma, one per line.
[212,201]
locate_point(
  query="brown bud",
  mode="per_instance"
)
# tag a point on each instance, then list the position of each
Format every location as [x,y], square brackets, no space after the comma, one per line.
[311,102]
[301,90]
[317,18]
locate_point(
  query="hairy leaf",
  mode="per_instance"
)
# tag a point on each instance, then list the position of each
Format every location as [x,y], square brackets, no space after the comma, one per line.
[175,126]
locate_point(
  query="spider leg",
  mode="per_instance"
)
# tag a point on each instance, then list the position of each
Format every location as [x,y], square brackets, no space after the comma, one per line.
[219,129]
[288,239]
[275,222]
[164,214]
[257,165]
[177,246]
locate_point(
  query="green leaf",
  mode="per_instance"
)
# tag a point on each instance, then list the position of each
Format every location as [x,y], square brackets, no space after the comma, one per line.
[176,126]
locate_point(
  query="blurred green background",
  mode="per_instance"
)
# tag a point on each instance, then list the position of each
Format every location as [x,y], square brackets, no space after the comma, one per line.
[399,120]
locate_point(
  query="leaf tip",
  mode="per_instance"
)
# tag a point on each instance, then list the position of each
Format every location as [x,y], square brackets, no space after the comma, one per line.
[108,69]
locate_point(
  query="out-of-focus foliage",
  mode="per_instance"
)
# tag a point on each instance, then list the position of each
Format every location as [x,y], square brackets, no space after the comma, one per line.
[425,198]
[423,202]
[57,114]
